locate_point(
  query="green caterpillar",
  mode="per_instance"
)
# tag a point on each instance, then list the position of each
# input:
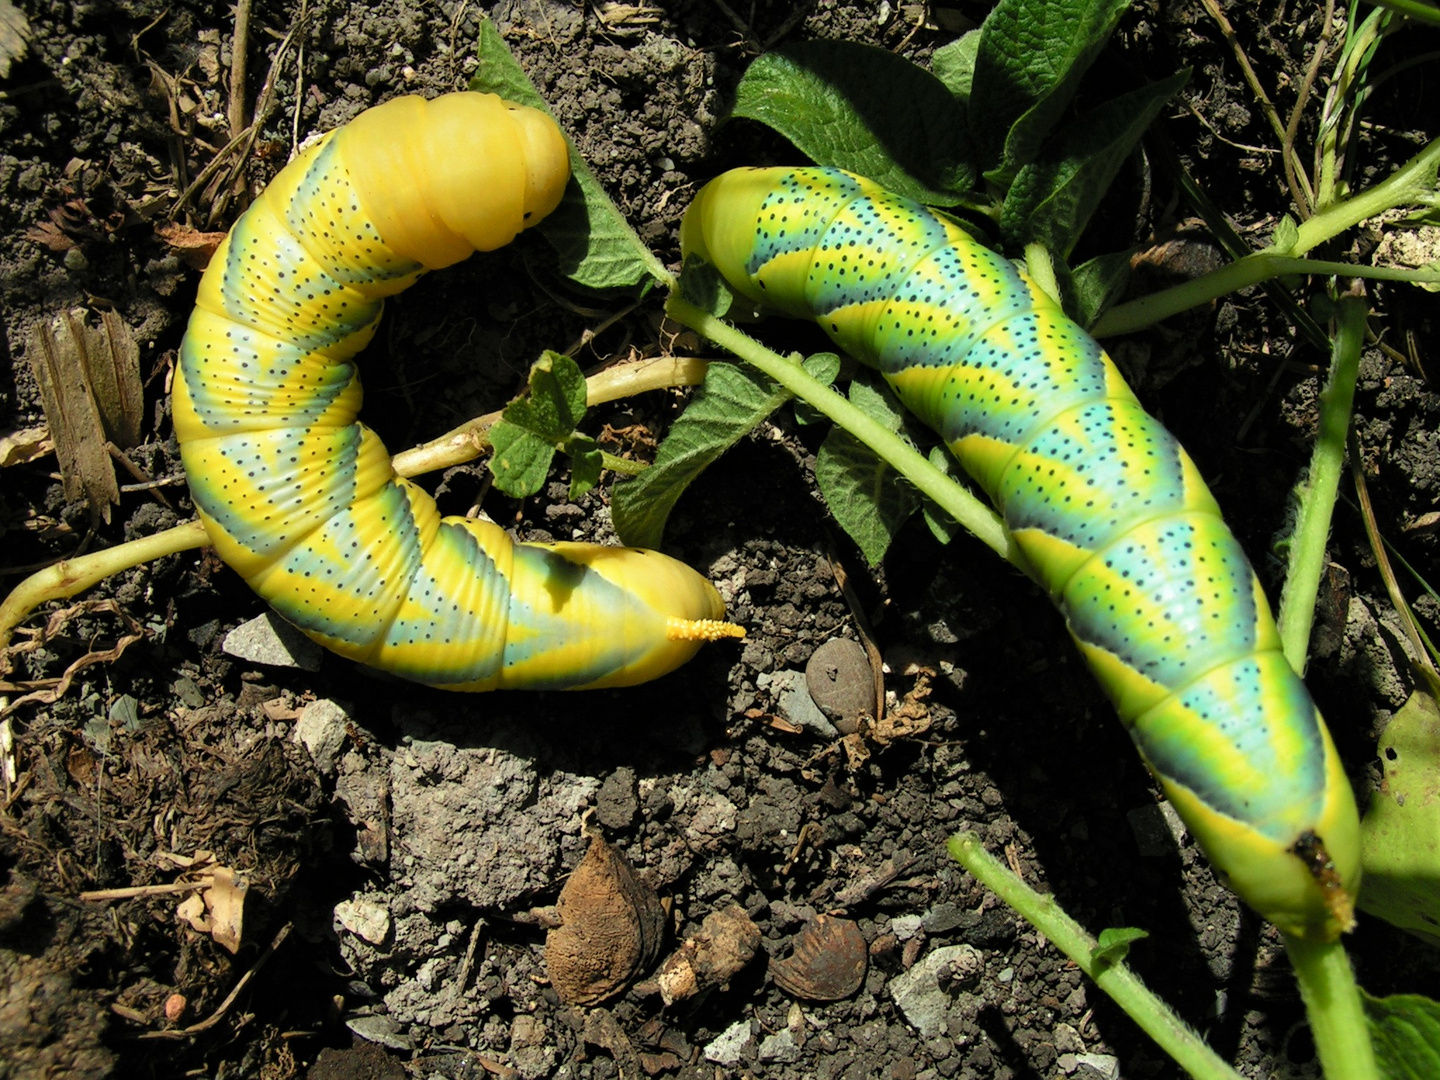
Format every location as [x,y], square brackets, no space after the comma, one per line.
[1110,512]
[300,497]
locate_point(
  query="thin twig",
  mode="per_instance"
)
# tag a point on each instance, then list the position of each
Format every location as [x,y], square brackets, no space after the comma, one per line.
[131,892]
[215,1017]
[239,48]
[1299,183]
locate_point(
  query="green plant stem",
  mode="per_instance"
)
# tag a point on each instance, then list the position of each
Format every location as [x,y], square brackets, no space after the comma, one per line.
[1322,485]
[1332,1002]
[1253,269]
[972,514]
[1416,9]
[621,465]
[1042,270]
[1413,184]
[1118,981]
[472,438]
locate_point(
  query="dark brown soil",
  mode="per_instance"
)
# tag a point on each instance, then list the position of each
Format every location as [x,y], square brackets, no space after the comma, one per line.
[398,884]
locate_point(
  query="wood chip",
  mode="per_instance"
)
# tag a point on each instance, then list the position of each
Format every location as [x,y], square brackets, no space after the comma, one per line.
[90,389]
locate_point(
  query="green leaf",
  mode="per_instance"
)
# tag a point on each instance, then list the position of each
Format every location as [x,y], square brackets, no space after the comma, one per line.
[532,429]
[597,247]
[867,110]
[825,367]
[1400,833]
[1031,57]
[1286,236]
[1053,198]
[586,461]
[1114,944]
[702,285]
[868,498]
[1405,1030]
[727,407]
[954,65]
[1099,283]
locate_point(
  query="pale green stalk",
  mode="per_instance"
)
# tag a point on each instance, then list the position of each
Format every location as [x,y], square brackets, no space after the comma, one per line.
[1413,184]
[971,513]
[1124,987]
[1332,1002]
[1321,486]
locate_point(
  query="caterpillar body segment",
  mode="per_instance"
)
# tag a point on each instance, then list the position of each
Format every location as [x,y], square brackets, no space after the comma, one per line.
[300,497]
[1109,510]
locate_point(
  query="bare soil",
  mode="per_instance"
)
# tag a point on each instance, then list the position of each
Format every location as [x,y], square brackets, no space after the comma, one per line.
[400,881]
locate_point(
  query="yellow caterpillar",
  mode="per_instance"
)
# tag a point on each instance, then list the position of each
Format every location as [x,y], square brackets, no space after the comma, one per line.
[300,497]
[1109,510]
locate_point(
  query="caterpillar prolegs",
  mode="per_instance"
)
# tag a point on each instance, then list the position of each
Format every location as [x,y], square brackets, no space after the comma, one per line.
[300,497]
[1110,512]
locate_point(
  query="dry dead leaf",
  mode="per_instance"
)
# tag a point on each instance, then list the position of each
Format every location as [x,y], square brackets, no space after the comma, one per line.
[192,245]
[225,906]
[25,445]
[192,910]
[611,926]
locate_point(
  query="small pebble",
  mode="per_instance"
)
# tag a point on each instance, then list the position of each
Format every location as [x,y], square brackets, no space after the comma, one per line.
[841,683]
[321,729]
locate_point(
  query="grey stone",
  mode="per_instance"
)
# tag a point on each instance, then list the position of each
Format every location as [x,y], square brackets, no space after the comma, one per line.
[728,1047]
[321,729]
[918,994]
[269,639]
[795,702]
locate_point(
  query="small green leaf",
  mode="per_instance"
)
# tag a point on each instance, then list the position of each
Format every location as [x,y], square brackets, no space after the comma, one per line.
[533,427]
[868,498]
[954,65]
[727,407]
[867,110]
[520,461]
[824,367]
[1287,235]
[1400,833]
[1053,197]
[597,247]
[1032,54]
[1099,283]
[586,461]
[1405,1031]
[702,285]
[1114,944]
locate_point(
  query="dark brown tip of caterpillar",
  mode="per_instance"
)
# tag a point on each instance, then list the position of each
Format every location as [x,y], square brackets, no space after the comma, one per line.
[1312,852]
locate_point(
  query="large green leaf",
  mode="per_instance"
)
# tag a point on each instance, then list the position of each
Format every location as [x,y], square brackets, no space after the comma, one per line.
[1400,833]
[867,110]
[1031,57]
[1052,198]
[596,245]
[1405,1029]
